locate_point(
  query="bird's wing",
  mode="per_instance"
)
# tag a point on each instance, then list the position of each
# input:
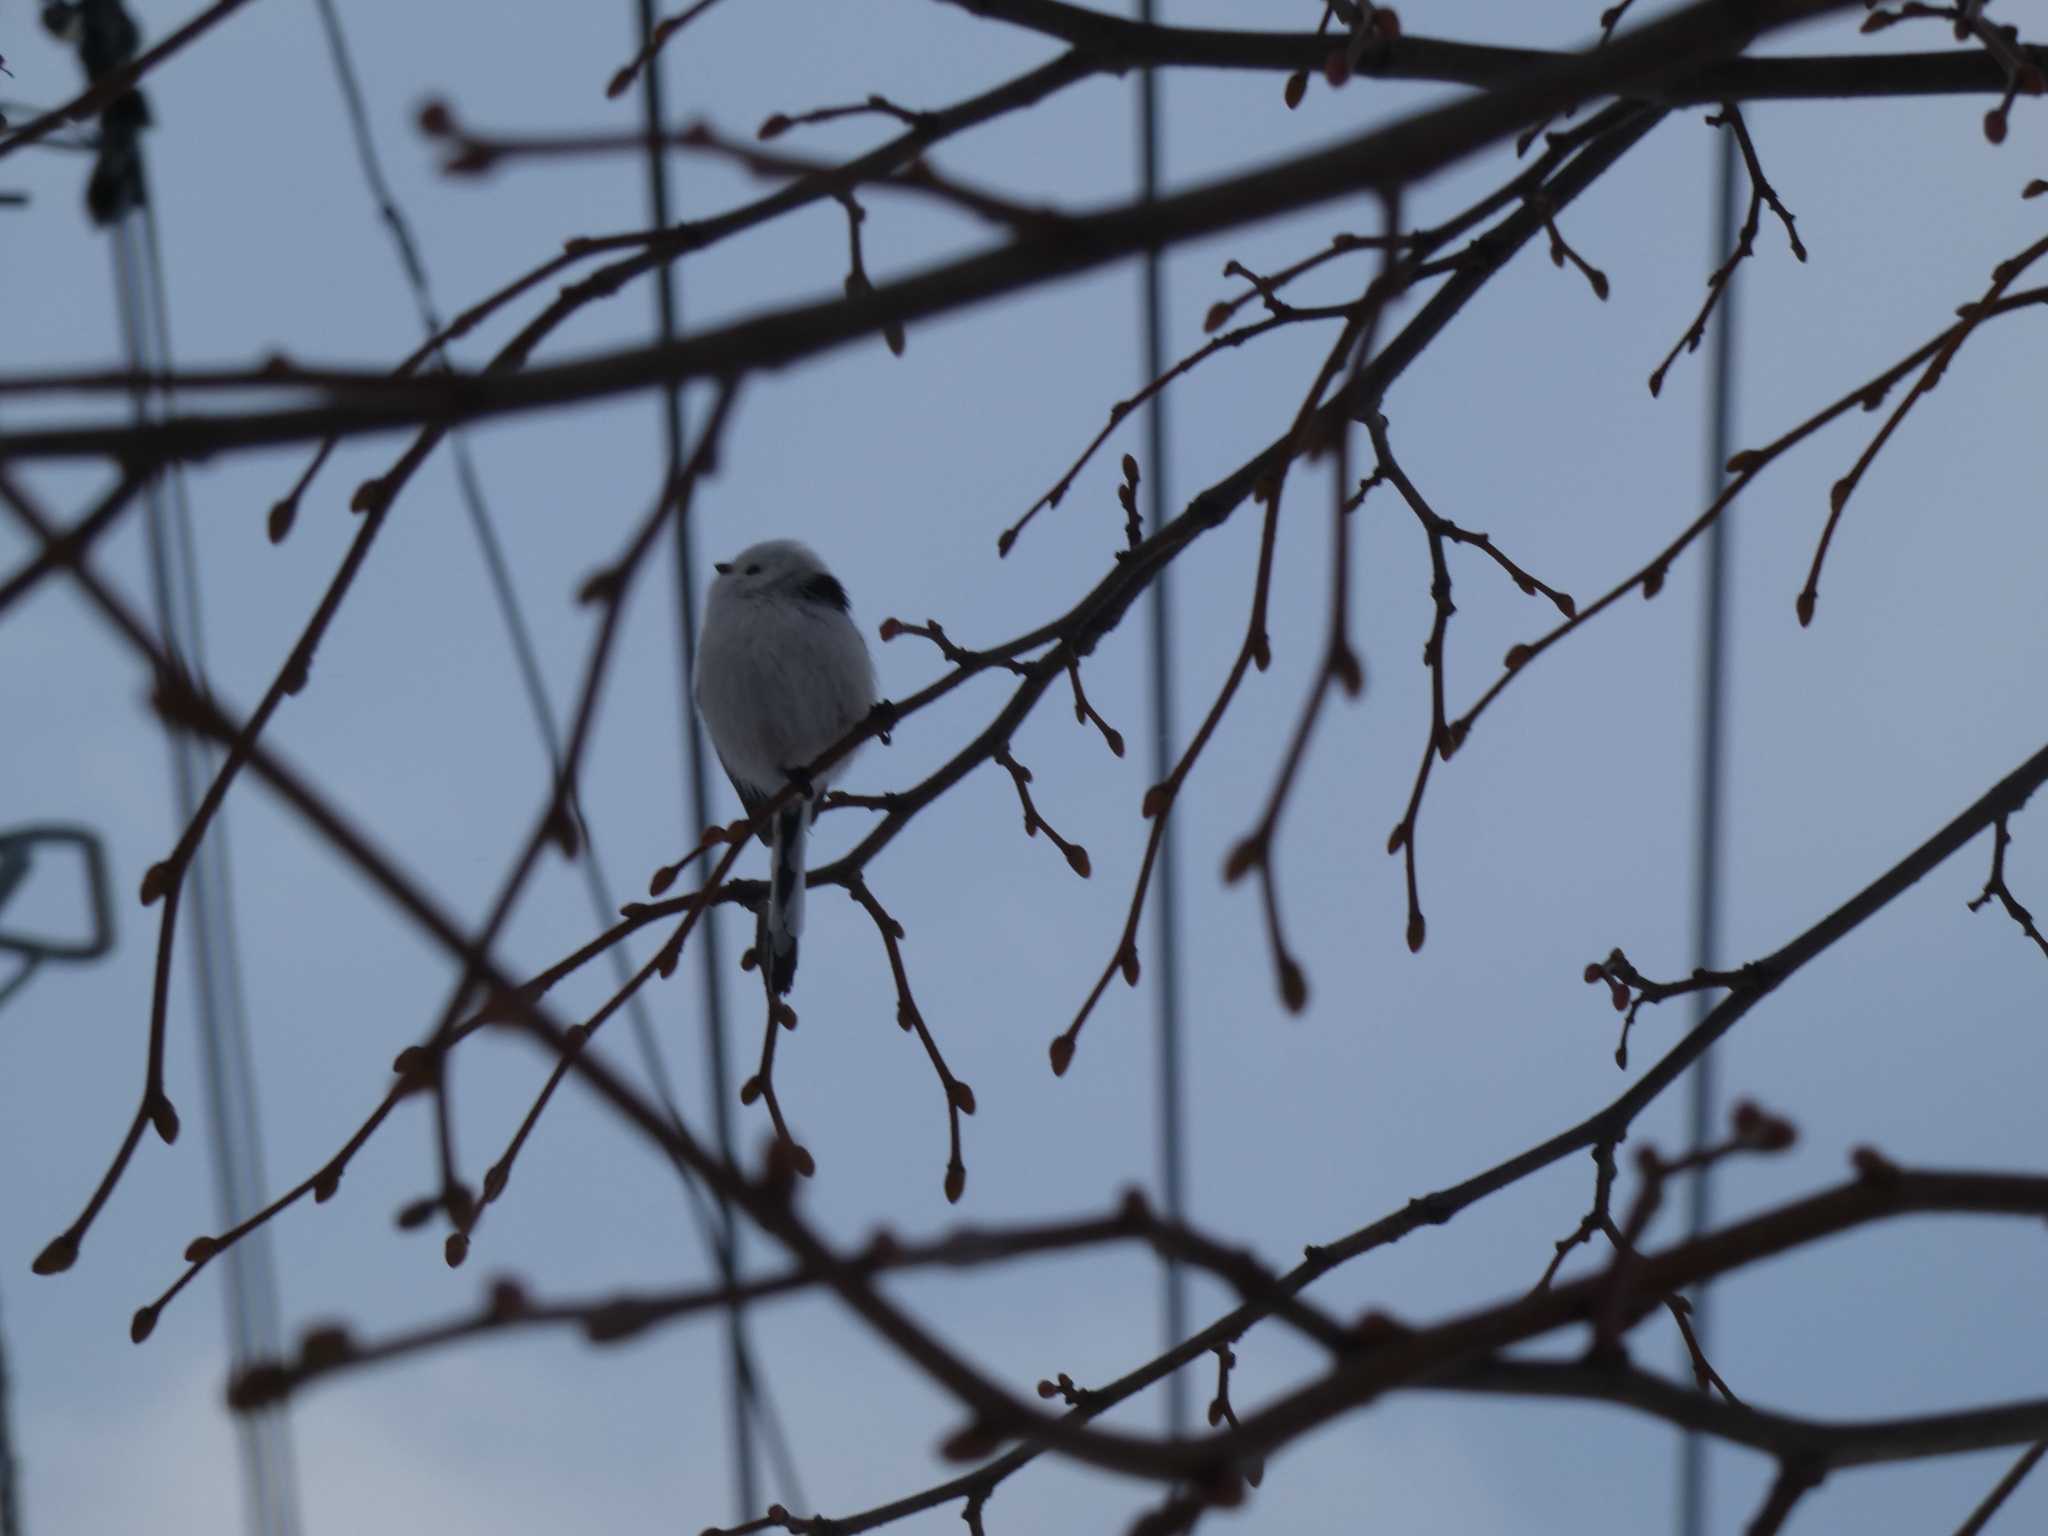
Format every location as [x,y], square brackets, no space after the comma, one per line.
[751,799]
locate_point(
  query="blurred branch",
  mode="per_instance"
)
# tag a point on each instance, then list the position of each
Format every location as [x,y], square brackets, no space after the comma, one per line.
[1383,160]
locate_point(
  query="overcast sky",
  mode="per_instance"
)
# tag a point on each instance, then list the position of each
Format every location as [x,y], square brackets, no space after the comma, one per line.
[1563,829]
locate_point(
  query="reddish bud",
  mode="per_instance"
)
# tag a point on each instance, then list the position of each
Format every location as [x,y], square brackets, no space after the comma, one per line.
[456,1249]
[494,1181]
[508,1298]
[155,881]
[615,1320]
[750,1090]
[59,1255]
[956,1182]
[325,1184]
[257,1386]
[890,629]
[1127,962]
[1297,87]
[416,1213]
[142,1324]
[1775,1134]
[1872,1165]
[1156,800]
[200,1249]
[163,1118]
[435,119]
[971,1443]
[1062,1053]
[773,126]
[1804,607]
[1517,654]
[281,518]
[1336,68]
[1293,986]
[1243,857]
[325,1346]
[962,1096]
[373,495]
[1077,856]
[470,160]
[1994,125]
[1416,932]
[1218,315]
[1130,470]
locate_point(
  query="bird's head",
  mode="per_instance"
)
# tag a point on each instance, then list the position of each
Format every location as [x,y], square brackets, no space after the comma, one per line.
[778,568]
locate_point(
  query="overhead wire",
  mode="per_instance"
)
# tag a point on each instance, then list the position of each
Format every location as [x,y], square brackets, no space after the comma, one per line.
[1166,907]
[748,1401]
[254,1324]
[717,1229]
[1711,776]
[469,484]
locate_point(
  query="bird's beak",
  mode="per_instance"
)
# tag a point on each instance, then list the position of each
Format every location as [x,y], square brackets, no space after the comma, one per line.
[723,567]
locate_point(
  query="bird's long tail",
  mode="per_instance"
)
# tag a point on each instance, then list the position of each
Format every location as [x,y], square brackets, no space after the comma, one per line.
[785,919]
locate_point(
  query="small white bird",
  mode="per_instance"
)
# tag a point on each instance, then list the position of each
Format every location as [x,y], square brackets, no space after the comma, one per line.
[782,674]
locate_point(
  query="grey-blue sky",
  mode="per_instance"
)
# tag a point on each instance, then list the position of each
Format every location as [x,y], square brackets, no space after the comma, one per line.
[1561,830]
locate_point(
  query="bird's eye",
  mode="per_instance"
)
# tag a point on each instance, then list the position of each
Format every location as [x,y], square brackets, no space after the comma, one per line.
[753,570]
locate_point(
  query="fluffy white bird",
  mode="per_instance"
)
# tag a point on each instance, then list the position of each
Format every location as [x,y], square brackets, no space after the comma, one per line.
[782,674]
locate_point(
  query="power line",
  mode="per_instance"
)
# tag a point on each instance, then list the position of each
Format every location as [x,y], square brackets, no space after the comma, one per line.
[255,1329]
[747,1397]
[1166,908]
[1692,1485]
[469,484]
[715,1232]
